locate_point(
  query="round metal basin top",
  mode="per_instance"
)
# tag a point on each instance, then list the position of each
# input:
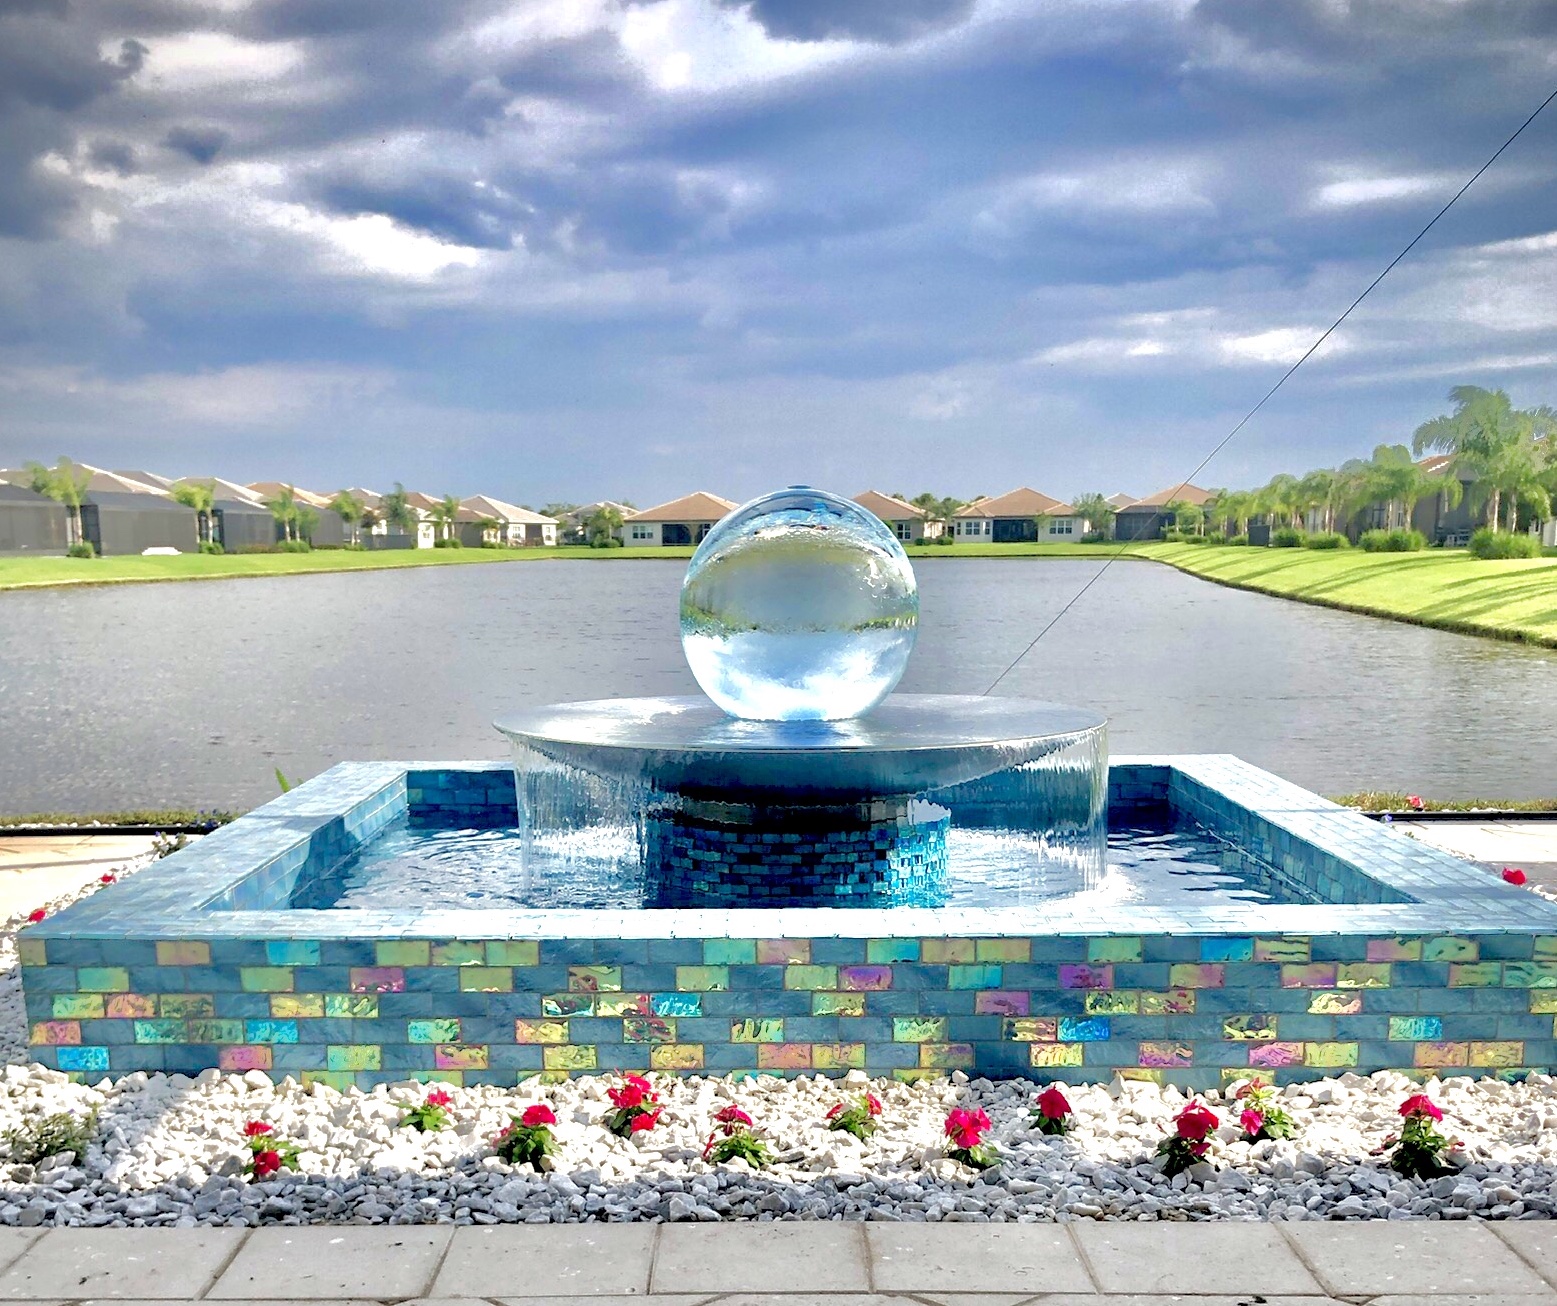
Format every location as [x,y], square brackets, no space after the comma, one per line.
[909,744]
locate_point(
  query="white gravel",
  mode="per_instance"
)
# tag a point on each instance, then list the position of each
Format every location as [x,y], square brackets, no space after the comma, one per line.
[169,1151]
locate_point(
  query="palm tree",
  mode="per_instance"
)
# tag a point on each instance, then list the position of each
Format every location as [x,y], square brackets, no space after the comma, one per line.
[1317,492]
[395,508]
[1279,498]
[1492,443]
[1186,515]
[65,483]
[601,526]
[348,507]
[201,497]
[443,514]
[284,509]
[1096,511]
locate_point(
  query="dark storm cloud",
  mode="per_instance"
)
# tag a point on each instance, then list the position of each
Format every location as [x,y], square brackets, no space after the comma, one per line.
[202,144]
[888,21]
[115,155]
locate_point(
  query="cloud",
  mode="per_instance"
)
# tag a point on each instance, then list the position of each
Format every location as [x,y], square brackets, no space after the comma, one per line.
[886,21]
[202,144]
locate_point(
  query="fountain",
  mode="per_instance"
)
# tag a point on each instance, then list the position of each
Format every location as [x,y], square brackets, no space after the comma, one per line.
[482,922]
[802,779]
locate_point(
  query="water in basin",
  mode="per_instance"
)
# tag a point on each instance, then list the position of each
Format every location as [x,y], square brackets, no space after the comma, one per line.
[422,868]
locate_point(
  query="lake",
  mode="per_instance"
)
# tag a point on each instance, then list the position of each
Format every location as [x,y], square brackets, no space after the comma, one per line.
[191,694]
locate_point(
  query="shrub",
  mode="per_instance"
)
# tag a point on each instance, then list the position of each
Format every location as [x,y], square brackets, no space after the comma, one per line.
[945,541]
[294,546]
[448,542]
[1325,540]
[211,547]
[1395,541]
[32,1140]
[1196,539]
[82,550]
[1286,537]
[1499,545]
[1216,537]
[1173,536]
[493,544]
[1094,537]
[605,542]
[1238,541]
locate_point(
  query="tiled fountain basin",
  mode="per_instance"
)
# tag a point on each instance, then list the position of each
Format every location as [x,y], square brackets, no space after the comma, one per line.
[1417,962]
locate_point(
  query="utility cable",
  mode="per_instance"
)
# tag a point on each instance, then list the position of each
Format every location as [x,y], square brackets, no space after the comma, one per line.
[1244,421]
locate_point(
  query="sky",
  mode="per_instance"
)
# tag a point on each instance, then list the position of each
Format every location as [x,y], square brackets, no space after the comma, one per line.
[571,249]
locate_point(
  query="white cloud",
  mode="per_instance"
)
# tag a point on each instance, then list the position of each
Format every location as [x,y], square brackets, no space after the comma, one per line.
[371,243]
[1278,345]
[1350,192]
[205,61]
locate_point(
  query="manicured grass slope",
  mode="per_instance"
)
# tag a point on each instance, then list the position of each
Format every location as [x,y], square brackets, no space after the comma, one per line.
[1446,588]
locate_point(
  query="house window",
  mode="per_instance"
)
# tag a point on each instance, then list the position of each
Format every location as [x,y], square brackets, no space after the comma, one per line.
[643,532]
[1061,526]
[902,530]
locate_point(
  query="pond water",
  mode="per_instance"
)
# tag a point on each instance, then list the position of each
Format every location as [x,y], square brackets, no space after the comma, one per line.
[195,693]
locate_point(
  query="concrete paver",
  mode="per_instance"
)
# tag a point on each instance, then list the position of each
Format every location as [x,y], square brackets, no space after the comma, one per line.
[1534,1240]
[290,1263]
[13,1242]
[35,869]
[1529,845]
[528,1261]
[975,1258]
[1177,1299]
[794,1258]
[120,1263]
[659,1299]
[1462,1299]
[1405,1257]
[1210,1257]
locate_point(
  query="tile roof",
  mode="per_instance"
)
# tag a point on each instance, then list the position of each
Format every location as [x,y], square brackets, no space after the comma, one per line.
[1023,502]
[1189,493]
[697,506]
[485,506]
[888,508]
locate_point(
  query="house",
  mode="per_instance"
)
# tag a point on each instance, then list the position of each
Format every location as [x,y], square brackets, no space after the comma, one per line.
[31,523]
[1147,518]
[121,515]
[240,521]
[1118,501]
[1021,516]
[909,523]
[681,521]
[327,530]
[574,526]
[517,527]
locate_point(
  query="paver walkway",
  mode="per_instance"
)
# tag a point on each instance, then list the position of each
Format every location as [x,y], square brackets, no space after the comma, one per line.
[1529,845]
[1382,1263]
[35,869]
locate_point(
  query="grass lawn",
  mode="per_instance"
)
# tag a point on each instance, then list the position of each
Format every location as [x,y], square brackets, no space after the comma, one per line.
[1446,588]
[21,573]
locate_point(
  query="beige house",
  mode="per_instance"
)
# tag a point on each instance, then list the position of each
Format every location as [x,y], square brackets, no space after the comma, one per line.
[1022,516]
[517,527]
[909,523]
[681,521]
[1147,518]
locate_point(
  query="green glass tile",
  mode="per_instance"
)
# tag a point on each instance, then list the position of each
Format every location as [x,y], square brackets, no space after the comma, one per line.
[594,979]
[769,1030]
[1475,974]
[810,977]
[648,1029]
[339,1080]
[103,979]
[354,1056]
[1530,974]
[1105,1002]
[216,1031]
[1013,950]
[266,979]
[576,1057]
[186,1006]
[567,1004]
[351,1006]
[513,952]
[1253,1028]
[883,952]
[1449,948]
[403,952]
[703,979]
[295,1006]
[919,1029]
[837,1004]
[292,952]
[160,1031]
[77,1006]
[974,977]
[459,952]
[729,952]
[432,1031]
[486,979]
[1109,951]
[1363,975]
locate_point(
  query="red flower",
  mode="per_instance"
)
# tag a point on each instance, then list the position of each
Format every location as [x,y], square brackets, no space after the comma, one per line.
[1513,875]
[36,915]
[642,1124]
[835,1112]
[1419,1104]
[539,1114]
[107,878]
[1194,1122]
[627,1097]
[255,1128]
[873,1104]
[438,1098]
[1252,1121]
[266,1163]
[1052,1103]
[732,1115]
[966,1128]
[640,1083]
[1416,802]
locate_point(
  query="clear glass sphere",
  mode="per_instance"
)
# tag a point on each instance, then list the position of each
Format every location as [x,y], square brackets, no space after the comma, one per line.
[799,606]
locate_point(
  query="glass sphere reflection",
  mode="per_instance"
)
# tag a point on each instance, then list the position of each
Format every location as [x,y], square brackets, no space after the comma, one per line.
[799,606]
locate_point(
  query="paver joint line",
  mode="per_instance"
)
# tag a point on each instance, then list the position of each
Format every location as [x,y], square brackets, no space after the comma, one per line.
[225,1265]
[1081,1255]
[867,1256]
[1497,1226]
[1297,1250]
